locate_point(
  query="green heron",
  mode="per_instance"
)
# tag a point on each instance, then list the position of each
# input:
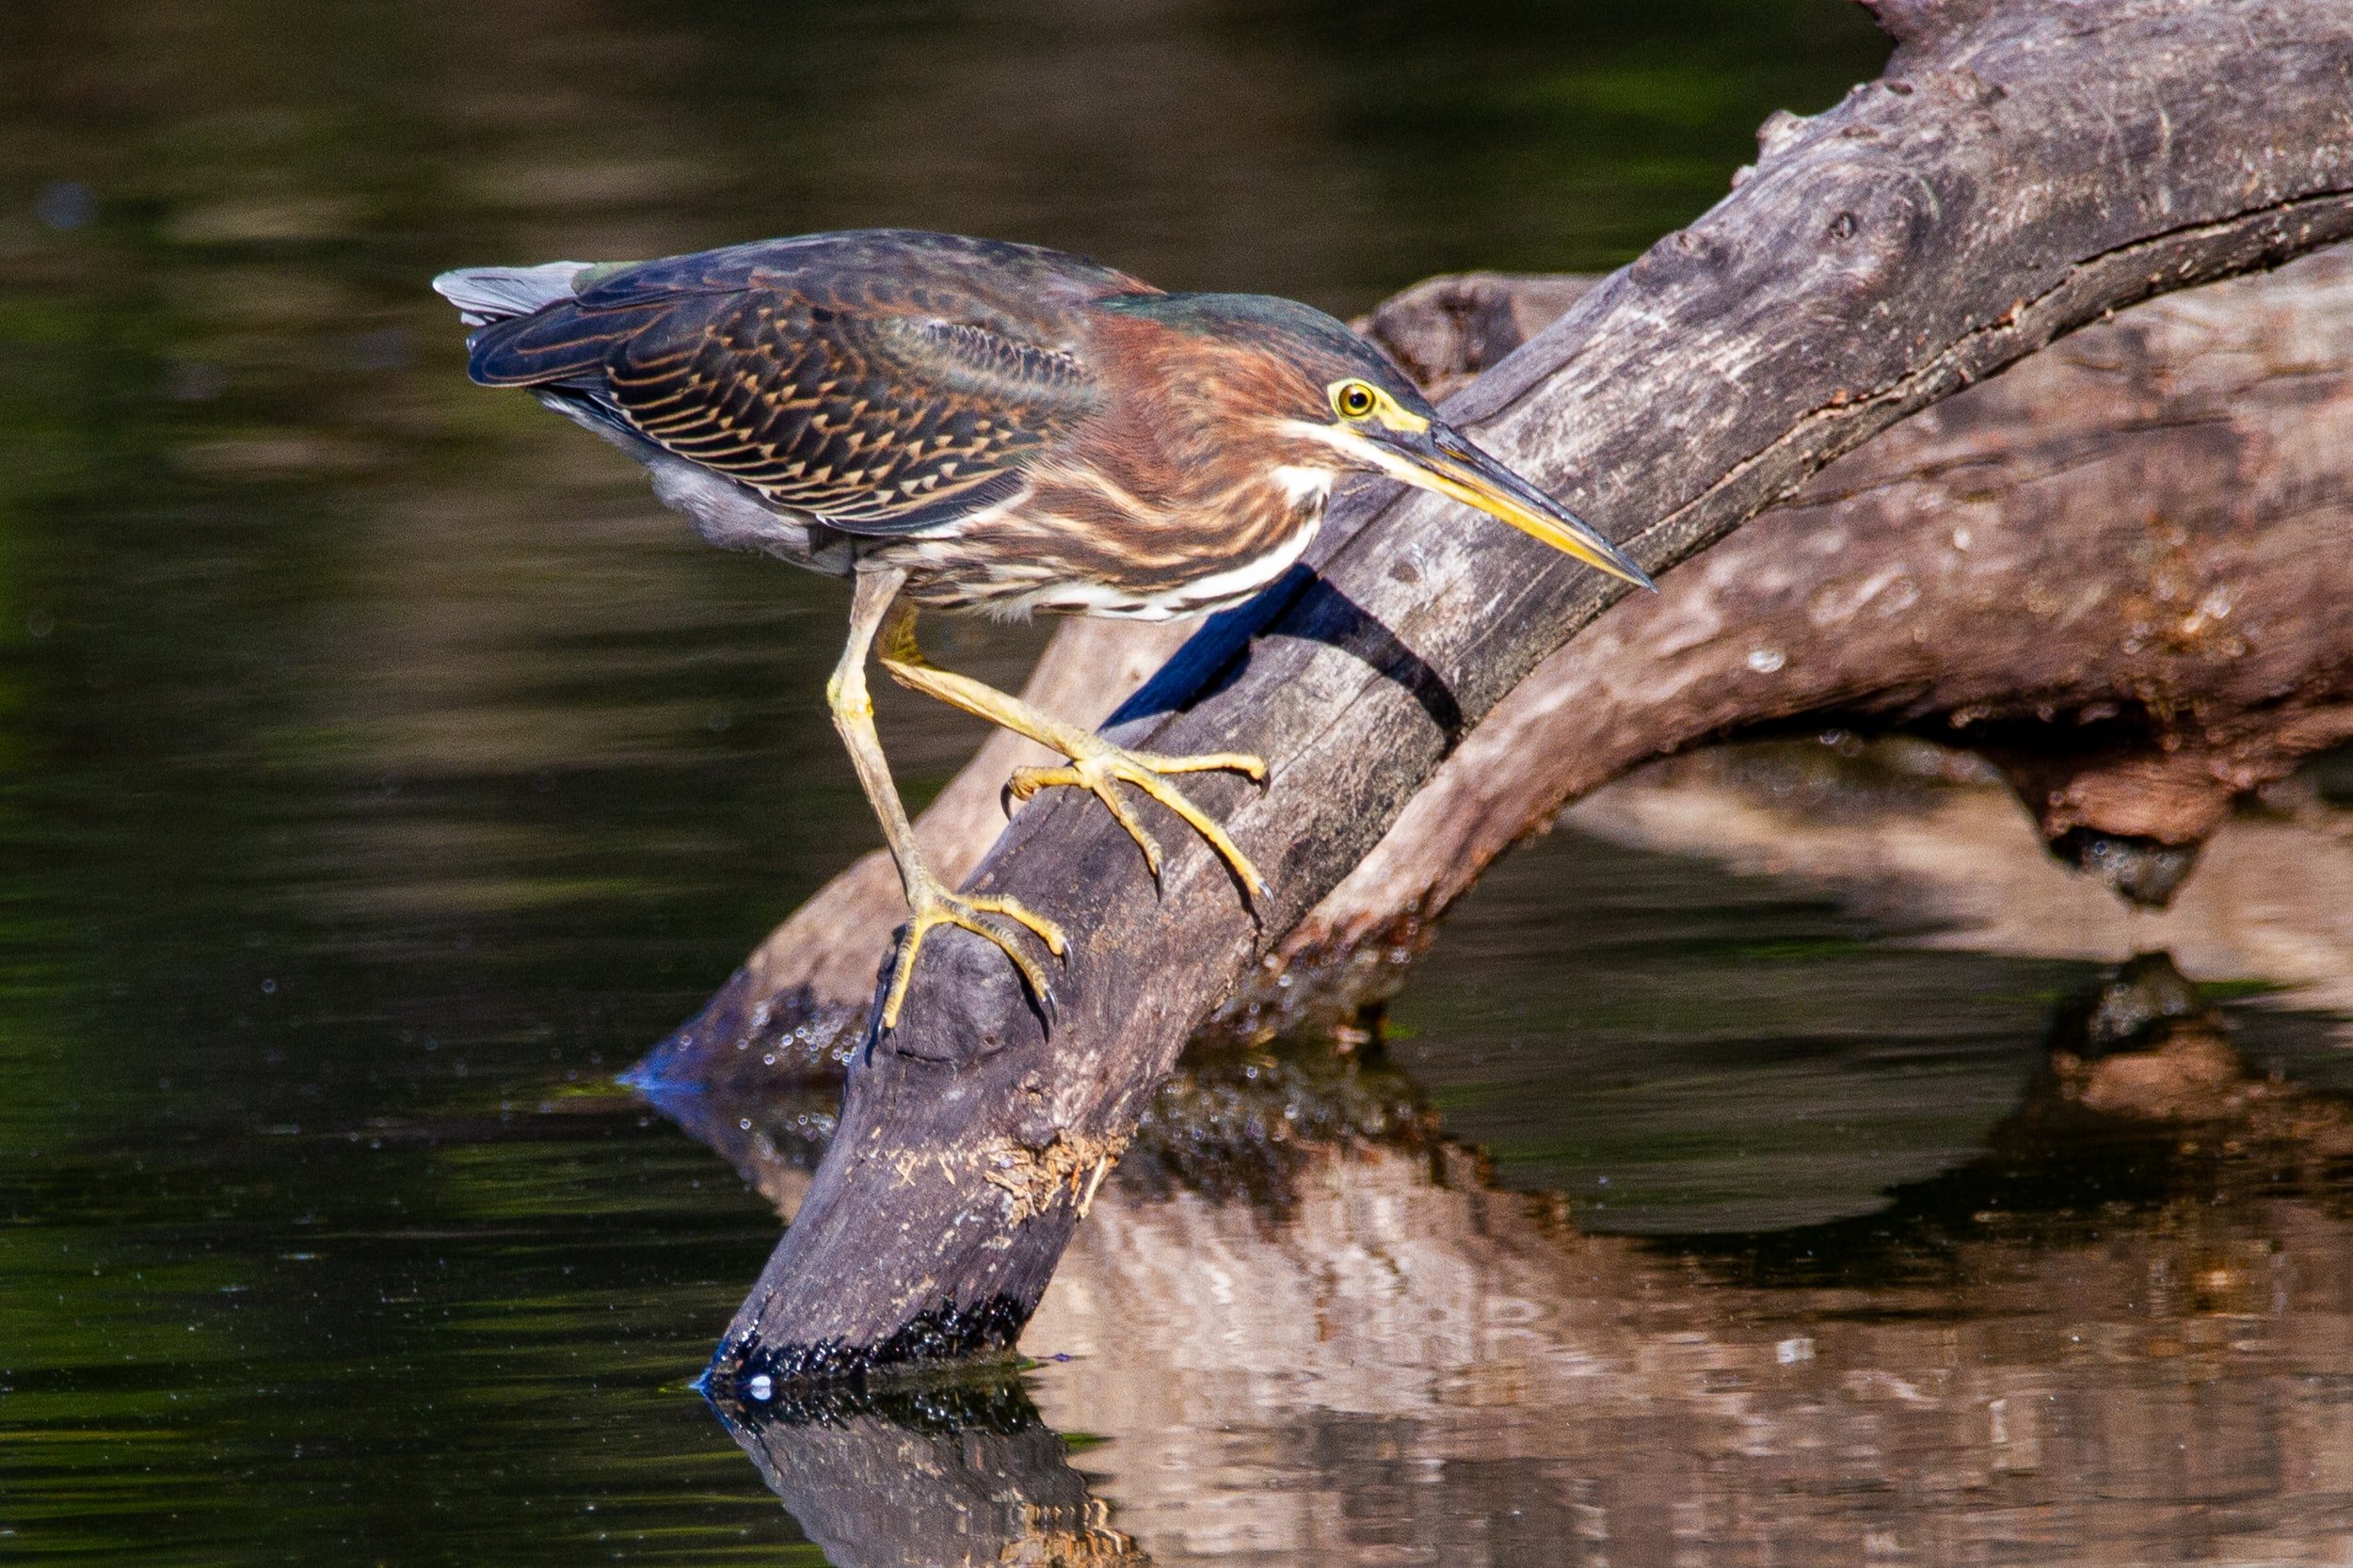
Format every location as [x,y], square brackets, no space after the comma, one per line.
[984,426]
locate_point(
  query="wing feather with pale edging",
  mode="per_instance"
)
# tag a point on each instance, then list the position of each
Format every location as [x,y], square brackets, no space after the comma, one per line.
[881,396]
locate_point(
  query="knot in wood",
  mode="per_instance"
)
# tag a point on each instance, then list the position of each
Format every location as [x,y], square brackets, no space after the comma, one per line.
[1781,131]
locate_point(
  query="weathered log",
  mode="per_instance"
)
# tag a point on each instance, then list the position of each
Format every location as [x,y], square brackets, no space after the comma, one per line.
[1924,839]
[2020,170]
[2159,495]
[2194,451]
[1930,840]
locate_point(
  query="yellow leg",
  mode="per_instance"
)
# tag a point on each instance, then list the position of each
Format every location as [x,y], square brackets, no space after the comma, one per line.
[1096,765]
[929,903]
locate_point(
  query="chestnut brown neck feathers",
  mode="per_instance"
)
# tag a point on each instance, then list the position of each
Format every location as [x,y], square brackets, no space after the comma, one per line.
[1145,510]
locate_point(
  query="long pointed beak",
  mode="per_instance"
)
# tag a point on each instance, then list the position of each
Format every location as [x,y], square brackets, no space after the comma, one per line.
[1440,459]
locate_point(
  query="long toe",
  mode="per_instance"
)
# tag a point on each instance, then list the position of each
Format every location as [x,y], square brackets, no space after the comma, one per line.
[1091,776]
[1250,767]
[1169,796]
[1014,909]
[984,917]
[1102,771]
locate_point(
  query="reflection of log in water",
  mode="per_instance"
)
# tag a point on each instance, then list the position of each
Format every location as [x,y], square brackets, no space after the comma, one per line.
[956,1475]
[2115,1337]
[1411,1366]
[1921,837]
[2120,1334]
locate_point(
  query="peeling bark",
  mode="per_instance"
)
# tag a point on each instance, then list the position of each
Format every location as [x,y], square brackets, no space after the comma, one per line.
[2021,171]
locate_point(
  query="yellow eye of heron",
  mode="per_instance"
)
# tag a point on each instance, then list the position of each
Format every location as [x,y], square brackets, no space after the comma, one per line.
[1353,399]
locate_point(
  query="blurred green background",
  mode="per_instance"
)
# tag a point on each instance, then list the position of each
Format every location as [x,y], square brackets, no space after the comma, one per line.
[380,769]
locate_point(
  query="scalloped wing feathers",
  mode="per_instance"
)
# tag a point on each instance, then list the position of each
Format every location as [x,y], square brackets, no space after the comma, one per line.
[886,382]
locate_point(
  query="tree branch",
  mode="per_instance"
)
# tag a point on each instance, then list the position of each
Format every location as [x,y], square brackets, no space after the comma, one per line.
[2115,571]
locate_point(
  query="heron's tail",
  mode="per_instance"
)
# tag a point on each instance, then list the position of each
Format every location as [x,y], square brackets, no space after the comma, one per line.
[527,330]
[487,293]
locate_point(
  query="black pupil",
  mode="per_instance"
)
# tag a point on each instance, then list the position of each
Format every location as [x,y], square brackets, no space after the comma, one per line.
[1357,400]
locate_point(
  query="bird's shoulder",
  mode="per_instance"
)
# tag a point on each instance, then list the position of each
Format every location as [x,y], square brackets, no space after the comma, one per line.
[1017,285]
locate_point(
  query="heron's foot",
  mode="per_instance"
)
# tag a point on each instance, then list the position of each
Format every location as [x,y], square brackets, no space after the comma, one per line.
[930,906]
[1101,767]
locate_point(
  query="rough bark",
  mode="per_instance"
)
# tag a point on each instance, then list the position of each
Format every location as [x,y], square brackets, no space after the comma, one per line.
[2115,569]
[2019,171]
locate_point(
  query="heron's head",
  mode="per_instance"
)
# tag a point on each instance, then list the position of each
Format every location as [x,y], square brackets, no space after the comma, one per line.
[1320,396]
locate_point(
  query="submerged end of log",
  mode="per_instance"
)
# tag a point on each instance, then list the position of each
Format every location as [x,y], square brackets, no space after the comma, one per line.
[940,1332]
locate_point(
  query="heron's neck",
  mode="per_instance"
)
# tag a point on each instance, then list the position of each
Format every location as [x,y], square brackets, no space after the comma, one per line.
[1221,513]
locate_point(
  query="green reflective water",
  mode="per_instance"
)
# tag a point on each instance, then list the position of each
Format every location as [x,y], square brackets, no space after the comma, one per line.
[380,770]
[1786,1068]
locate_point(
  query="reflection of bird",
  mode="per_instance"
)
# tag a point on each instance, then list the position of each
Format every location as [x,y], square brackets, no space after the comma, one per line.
[984,426]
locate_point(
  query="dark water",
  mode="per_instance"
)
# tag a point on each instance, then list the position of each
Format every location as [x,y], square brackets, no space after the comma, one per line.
[380,772]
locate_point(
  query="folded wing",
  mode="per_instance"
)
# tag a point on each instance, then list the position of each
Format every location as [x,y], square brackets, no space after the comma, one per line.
[879,397]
